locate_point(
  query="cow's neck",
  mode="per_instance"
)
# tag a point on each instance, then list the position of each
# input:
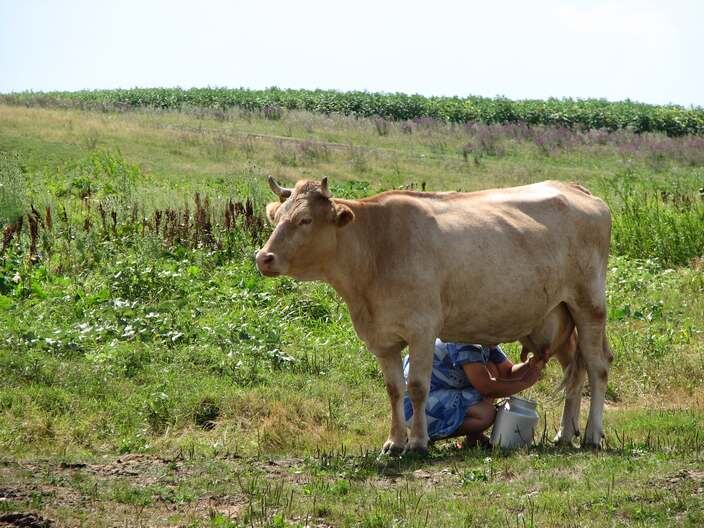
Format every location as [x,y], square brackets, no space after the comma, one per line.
[352,269]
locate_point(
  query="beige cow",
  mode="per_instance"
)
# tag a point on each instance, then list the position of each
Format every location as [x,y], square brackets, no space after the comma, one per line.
[484,267]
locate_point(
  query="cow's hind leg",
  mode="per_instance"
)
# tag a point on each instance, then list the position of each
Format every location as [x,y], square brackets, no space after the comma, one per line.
[574,380]
[590,321]
[391,367]
[421,366]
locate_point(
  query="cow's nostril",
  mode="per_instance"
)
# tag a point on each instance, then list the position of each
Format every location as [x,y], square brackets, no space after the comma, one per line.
[264,258]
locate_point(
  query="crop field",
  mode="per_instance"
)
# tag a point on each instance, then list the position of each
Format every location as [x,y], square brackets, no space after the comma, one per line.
[584,114]
[150,376]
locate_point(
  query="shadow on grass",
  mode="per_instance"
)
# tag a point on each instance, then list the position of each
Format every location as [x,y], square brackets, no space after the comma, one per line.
[369,463]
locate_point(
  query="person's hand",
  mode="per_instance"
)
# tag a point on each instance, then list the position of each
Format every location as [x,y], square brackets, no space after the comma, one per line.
[524,354]
[535,363]
[533,371]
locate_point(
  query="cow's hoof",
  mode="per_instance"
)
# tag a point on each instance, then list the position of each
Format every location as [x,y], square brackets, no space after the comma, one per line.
[392,449]
[416,452]
[590,446]
[564,439]
[419,451]
[592,442]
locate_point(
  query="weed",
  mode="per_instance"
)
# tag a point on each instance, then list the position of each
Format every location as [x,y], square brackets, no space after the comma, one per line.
[382,126]
[358,159]
[206,412]
[287,154]
[91,140]
[157,411]
[247,146]
[132,495]
[272,112]
[220,146]
[645,226]
[469,150]
[12,193]
[312,152]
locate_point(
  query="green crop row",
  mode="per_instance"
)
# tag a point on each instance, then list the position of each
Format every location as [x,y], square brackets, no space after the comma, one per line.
[573,113]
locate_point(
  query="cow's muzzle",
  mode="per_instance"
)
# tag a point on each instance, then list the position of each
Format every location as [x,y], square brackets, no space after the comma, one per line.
[265,263]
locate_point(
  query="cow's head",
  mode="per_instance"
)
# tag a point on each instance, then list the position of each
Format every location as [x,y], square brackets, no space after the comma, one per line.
[305,220]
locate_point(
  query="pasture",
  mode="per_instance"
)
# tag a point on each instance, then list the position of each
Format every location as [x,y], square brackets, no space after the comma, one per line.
[150,376]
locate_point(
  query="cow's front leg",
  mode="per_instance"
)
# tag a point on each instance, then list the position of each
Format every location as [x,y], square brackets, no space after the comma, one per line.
[421,365]
[392,368]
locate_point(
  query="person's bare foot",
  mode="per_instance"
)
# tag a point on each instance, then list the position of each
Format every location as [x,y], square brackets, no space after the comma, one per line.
[476,440]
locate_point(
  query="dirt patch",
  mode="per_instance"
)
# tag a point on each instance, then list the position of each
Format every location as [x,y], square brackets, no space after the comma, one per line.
[228,505]
[429,477]
[51,494]
[141,469]
[687,474]
[693,475]
[434,476]
[312,523]
[134,465]
[289,469]
[15,494]
[24,520]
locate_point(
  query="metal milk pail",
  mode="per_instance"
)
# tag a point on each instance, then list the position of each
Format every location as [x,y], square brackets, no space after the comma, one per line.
[515,423]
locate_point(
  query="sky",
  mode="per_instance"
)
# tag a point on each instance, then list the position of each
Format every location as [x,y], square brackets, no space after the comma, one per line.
[650,51]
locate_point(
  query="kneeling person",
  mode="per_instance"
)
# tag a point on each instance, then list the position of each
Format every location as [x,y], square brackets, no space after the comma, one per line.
[465,380]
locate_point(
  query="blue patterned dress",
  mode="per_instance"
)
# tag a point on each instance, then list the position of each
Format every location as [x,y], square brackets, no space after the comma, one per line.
[451,393]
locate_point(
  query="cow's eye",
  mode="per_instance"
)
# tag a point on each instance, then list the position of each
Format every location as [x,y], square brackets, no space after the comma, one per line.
[305,221]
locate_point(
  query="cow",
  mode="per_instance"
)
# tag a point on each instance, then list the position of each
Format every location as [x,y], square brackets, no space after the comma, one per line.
[484,267]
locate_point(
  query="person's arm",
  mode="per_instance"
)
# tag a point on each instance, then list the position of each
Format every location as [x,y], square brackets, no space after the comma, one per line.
[496,387]
[509,371]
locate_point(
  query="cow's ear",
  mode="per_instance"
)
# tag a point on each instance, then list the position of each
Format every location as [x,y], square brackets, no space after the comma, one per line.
[343,215]
[271,209]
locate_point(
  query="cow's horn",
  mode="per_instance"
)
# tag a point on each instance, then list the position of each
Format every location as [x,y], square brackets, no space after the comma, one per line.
[324,187]
[281,192]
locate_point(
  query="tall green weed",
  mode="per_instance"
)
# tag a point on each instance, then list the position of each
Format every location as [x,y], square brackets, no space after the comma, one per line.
[12,188]
[647,226]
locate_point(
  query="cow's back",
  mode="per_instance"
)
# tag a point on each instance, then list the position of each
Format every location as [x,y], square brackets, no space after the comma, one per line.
[522,220]
[490,260]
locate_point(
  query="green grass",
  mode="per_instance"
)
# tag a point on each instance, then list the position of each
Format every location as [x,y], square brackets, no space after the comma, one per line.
[158,379]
